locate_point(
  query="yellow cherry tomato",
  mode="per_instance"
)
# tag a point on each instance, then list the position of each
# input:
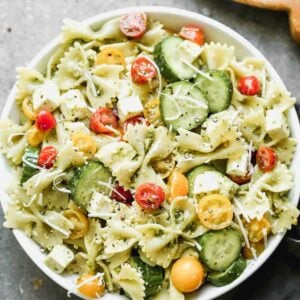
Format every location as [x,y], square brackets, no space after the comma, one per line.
[187,274]
[215,211]
[90,288]
[178,185]
[85,143]
[35,136]
[80,222]
[151,111]
[256,229]
[27,109]
[258,247]
[111,56]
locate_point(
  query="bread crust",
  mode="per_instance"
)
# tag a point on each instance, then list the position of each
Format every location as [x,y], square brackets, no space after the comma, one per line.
[291,6]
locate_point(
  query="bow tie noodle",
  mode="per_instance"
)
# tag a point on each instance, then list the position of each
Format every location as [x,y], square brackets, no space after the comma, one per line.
[149,162]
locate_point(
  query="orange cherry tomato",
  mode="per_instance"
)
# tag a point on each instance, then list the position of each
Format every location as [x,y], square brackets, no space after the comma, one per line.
[249,85]
[47,157]
[187,274]
[90,288]
[149,196]
[142,70]
[256,229]
[101,119]
[266,158]
[258,247]
[178,185]
[215,211]
[111,56]
[134,25]
[193,33]
[45,121]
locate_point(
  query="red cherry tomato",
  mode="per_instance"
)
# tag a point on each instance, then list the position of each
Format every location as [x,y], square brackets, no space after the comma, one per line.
[249,85]
[142,70]
[45,121]
[266,159]
[134,24]
[134,121]
[121,195]
[47,157]
[241,179]
[149,196]
[193,33]
[101,119]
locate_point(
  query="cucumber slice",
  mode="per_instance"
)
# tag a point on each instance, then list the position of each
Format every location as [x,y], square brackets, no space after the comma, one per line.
[220,248]
[230,274]
[183,106]
[191,176]
[228,187]
[217,91]
[31,156]
[152,276]
[167,58]
[86,180]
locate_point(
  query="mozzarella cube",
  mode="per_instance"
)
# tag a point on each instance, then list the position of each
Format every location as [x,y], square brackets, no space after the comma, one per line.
[238,166]
[276,124]
[189,51]
[129,107]
[59,258]
[206,183]
[73,105]
[46,97]
[124,88]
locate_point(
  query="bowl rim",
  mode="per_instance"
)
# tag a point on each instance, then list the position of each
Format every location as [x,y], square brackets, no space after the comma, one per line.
[102,17]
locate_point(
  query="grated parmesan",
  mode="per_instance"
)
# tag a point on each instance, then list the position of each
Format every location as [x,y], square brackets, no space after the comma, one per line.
[197,70]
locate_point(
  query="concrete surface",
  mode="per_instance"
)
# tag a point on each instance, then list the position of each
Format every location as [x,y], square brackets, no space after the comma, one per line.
[27,25]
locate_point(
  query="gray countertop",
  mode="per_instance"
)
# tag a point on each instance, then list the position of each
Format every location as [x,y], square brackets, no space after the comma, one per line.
[27,25]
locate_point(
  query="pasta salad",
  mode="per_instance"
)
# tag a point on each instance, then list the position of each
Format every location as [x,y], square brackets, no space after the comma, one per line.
[148,162]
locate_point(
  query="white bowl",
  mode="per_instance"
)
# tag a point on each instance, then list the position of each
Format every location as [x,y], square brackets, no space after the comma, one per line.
[172,18]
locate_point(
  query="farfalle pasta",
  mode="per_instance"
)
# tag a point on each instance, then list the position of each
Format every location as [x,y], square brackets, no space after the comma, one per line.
[140,152]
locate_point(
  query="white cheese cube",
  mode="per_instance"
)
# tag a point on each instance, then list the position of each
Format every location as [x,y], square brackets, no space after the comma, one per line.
[46,97]
[73,105]
[124,89]
[276,124]
[59,258]
[189,51]
[238,166]
[206,183]
[129,107]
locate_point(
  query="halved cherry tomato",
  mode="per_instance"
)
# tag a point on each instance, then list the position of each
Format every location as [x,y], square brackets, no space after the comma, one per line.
[178,185]
[80,222]
[134,121]
[89,287]
[215,211]
[47,157]
[258,247]
[193,33]
[101,119]
[142,70]
[249,85]
[266,158]
[45,121]
[110,56]
[121,195]
[134,25]
[149,196]
[241,179]
[256,229]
